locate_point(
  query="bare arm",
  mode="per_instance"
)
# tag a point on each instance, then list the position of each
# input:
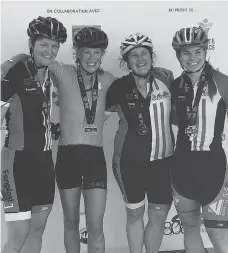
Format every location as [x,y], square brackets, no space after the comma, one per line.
[7,65]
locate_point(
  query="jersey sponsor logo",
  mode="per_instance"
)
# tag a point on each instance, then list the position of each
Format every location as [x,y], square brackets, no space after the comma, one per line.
[30,90]
[7,191]
[83,235]
[29,82]
[131,105]
[130,97]
[181,98]
[44,208]
[160,96]
[219,207]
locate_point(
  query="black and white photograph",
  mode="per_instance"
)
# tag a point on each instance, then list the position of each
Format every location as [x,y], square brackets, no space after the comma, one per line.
[114,127]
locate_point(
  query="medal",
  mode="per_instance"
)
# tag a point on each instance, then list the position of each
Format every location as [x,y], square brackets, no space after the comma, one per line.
[90,129]
[142,129]
[192,110]
[192,132]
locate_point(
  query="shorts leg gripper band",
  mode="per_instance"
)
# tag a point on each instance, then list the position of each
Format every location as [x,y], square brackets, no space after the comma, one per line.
[215,224]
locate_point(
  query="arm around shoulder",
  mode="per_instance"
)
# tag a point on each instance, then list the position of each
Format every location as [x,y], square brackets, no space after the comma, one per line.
[10,63]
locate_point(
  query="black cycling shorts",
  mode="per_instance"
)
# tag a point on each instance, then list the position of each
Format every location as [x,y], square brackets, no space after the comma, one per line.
[199,175]
[81,165]
[28,182]
[144,178]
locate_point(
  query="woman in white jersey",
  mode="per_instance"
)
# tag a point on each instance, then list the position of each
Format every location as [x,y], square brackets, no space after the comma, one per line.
[143,144]
[199,171]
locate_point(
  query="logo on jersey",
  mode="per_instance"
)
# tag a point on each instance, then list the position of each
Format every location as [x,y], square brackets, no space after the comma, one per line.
[29,82]
[159,96]
[44,208]
[131,105]
[83,235]
[181,98]
[219,207]
[6,190]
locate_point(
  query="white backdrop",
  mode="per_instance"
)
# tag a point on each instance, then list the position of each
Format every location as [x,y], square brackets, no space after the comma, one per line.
[159,20]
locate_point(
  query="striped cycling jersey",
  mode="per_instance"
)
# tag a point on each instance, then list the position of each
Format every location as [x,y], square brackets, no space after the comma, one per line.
[26,124]
[210,118]
[157,144]
[71,109]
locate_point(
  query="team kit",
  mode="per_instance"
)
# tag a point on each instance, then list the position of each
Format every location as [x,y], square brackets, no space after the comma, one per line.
[148,162]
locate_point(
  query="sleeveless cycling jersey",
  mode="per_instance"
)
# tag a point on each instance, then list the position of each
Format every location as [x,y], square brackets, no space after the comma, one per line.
[28,127]
[72,113]
[210,118]
[157,143]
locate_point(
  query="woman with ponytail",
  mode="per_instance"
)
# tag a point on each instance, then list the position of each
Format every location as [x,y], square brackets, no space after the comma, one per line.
[199,171]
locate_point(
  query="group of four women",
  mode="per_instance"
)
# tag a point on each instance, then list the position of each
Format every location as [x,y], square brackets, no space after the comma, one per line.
[147,101]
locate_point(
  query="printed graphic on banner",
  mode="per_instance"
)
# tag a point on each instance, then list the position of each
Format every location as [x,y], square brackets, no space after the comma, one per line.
[206,25]
[75,29]
[83,235]
[175,226]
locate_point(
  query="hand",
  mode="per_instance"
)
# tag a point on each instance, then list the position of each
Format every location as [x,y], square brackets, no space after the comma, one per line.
[164,72]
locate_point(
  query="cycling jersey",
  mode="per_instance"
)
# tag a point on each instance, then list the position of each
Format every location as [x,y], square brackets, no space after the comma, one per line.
[72,113]
[157,143]
[210,118]
[27,122]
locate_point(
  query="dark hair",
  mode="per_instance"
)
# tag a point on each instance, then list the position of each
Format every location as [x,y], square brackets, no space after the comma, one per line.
[212,89]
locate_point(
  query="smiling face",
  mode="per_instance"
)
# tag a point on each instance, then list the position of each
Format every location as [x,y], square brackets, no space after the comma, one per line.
[44,51]
[192,58]
[90,58]
[139,60]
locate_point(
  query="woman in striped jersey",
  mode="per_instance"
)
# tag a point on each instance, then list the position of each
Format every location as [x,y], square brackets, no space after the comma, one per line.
[143,144]
[199,172]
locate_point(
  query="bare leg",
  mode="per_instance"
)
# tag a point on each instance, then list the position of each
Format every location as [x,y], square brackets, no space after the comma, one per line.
[70,199]
[34,240]
[17,234]
[189,213]
[155,227]
[95,203]
[135,229]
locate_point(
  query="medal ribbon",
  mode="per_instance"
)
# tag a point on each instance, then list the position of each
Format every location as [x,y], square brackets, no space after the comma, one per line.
[192,110]
[136,95]
[89,113]
[46,94]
